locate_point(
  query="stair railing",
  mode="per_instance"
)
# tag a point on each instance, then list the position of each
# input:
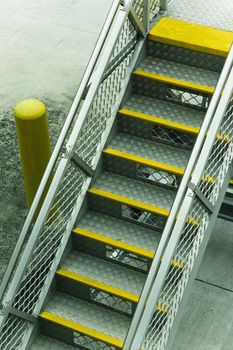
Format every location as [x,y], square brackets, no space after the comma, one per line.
[72,165]
[189,224]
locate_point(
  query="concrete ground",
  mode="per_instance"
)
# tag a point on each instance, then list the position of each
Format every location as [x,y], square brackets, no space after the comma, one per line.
[45,46]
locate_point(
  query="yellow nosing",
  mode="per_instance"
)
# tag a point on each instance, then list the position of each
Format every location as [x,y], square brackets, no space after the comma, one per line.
[176,263]
[162,308]
[98,285]
[208,179]
[144,161]
[82,329]
[114,243]
[174,81]
[231,182]
[192,220]
[192,36]
[127,201]
[156,120]
[222,137]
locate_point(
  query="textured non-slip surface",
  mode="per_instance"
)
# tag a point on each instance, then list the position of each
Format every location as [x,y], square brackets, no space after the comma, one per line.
[104,271]
[135,190]
[46,343]
[164,110]
[179,71]
[120,230]
[151,150]
[88,315]
[212,13]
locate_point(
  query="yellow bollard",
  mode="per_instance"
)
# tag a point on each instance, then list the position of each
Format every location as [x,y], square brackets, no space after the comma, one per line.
[34,143]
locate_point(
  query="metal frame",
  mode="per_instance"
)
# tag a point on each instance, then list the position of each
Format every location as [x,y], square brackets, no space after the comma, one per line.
[64,155]
[182,205]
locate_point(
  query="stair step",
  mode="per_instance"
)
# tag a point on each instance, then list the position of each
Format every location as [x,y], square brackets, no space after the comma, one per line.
[46,343]
[163,113]
[138,194]
[103,275]
[192,36]
[119,234]
[87,319]
[149,153]
[177,74]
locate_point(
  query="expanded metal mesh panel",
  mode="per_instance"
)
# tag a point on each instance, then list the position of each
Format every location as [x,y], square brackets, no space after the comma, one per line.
[128,259]
[111,301]
[138,7]
[158,176]
[49,240]
[151,220]
[177,278]
[220,158]
[172,93]
[12,333]
[90,343]
[173,137]
[125,44]
[101,111]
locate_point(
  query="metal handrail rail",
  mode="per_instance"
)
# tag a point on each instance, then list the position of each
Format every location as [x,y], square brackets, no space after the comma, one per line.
[59,145]
[137,333]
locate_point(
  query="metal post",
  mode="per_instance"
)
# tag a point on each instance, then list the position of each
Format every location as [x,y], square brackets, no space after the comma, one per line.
[34,143]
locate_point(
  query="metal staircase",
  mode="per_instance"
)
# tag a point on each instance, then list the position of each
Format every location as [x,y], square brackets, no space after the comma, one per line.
[139,182]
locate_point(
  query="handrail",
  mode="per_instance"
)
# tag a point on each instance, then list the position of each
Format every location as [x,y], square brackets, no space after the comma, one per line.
[13,300]
[140,322]
[58,147]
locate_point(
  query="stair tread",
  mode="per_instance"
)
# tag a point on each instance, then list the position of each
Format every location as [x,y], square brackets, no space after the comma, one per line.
[140,194]
[165,110]
[173,157]
[105,272]
[75,313]
[46,343]
[181,74]
[120,231]
[192,36]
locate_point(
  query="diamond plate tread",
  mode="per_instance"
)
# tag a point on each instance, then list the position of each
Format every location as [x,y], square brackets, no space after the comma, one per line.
[149,153]
[87,318]
[45,343]
[165,113]
[123,282]
[192,36]
[119,233]
[178,74]
[135,193]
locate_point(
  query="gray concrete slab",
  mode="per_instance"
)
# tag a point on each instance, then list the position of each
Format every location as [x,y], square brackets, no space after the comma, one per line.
[217,263]
[45,47]
[207,323]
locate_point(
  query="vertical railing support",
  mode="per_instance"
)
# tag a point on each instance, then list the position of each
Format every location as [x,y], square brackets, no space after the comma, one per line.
[163,5]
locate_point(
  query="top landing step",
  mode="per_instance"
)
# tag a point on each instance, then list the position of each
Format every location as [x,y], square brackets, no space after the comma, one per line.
[192,36]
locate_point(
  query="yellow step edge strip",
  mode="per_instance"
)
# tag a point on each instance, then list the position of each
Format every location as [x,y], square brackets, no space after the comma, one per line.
[127,201]
[98,285]
[76,327]
[167,123]
[121,245]
[144,161]
[192,36]
[174,81]
[114,243]
[156,120]
[231,182]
